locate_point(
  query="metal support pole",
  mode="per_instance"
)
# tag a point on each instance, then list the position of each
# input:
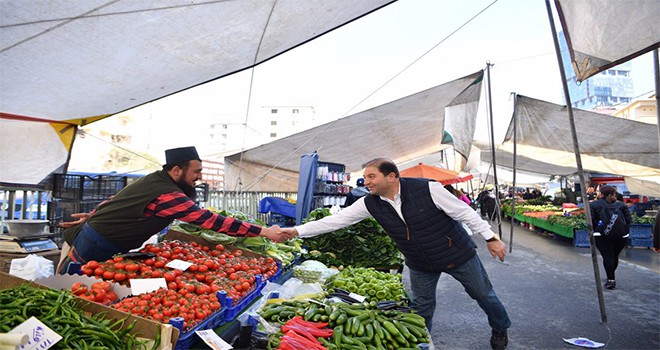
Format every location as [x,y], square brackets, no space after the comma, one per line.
[492,147]
[656,69]
[513,197]
[578,160]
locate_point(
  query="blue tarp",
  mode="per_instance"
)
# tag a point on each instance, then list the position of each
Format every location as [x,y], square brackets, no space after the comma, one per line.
[277,205]
[306,184]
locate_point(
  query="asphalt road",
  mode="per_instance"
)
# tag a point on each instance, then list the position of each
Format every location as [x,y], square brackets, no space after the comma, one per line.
[549,290]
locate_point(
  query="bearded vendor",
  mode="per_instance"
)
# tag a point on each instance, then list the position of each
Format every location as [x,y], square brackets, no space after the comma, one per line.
[146,207]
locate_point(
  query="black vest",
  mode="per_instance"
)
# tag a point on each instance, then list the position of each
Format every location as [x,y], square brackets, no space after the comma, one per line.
[121,219]
[429,239]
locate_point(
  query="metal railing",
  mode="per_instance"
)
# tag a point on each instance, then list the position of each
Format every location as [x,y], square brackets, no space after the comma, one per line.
[244,202]
[11,201]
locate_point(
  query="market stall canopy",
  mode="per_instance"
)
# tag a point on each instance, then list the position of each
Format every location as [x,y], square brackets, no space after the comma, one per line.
[505,176]
[504,158]
[66,63]
[607,144]
[605,33]
[401,130]
[444,176]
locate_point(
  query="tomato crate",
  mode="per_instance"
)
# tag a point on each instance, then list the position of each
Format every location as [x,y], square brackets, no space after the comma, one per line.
[233,311]
[187,339]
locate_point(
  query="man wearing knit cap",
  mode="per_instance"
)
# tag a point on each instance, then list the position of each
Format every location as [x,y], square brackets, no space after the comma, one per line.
[145,208]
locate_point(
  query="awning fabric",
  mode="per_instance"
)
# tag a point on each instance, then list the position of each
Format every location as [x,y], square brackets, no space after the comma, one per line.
[607,144]
[444,176]
[75,62]
[605,33]
[401,130]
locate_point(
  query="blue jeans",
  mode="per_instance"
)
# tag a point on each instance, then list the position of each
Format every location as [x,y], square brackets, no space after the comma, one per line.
[472,275]
[88,245]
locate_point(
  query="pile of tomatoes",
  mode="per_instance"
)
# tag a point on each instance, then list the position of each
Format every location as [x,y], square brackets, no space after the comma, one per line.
[213,269]
[99,292]
[164,304]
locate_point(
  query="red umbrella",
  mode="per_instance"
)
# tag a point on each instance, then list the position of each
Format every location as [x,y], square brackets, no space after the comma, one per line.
[441,175]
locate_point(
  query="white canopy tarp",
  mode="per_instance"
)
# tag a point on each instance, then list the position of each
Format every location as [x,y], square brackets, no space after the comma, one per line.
[402,130]
[607,144]
[605,33]
[78,61]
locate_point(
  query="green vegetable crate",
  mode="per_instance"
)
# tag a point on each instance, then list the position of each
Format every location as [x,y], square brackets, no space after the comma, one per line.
[144,328]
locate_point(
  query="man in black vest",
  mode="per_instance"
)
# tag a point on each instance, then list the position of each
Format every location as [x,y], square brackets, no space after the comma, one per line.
[424,220]
[145,208]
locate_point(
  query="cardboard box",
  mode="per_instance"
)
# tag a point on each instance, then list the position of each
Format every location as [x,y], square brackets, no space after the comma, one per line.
[144,327]
[66,281]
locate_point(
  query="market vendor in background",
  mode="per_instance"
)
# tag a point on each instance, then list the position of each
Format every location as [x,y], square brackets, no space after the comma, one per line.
[424,220]
[145,208]
[359,191]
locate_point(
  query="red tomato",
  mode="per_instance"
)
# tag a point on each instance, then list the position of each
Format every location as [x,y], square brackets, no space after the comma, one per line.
[112,296]
[99,295]
[120,276]
[132,267]
[106,286]
[79,288]
[108,275]
[169,276]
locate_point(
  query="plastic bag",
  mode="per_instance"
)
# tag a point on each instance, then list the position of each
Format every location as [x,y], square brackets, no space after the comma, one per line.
[32,267]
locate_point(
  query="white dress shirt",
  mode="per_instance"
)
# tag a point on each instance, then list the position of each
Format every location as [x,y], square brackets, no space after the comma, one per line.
[443,200]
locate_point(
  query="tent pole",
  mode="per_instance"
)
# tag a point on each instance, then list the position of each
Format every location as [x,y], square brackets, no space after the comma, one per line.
[656,69]
[513,197]
[578,160]
[492,147]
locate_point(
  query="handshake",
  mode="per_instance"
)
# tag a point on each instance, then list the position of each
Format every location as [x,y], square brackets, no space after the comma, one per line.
[278,234]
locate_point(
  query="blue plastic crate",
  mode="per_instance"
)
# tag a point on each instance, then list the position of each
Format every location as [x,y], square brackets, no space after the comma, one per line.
[643,231]
[233,311]
[641,242]
[187,339]
[581,239]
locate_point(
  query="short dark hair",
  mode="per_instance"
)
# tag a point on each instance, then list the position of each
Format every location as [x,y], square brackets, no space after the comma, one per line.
[607,190]
[384,165]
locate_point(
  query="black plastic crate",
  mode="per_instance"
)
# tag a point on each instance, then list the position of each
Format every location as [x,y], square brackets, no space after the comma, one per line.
[84,187]
[60,209]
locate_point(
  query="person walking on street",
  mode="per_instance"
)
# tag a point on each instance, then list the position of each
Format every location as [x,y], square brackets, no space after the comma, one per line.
[610,219]
[424,220]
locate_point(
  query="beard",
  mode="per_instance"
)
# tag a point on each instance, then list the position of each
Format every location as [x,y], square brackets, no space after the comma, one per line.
[188,190]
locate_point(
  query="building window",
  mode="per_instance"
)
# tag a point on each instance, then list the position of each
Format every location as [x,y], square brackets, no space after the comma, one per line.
[273,111]
[273,134]
[273,122]
[295,111]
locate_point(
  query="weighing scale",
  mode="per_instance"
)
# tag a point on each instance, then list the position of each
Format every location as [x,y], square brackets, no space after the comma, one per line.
[26,244]
[10,244]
